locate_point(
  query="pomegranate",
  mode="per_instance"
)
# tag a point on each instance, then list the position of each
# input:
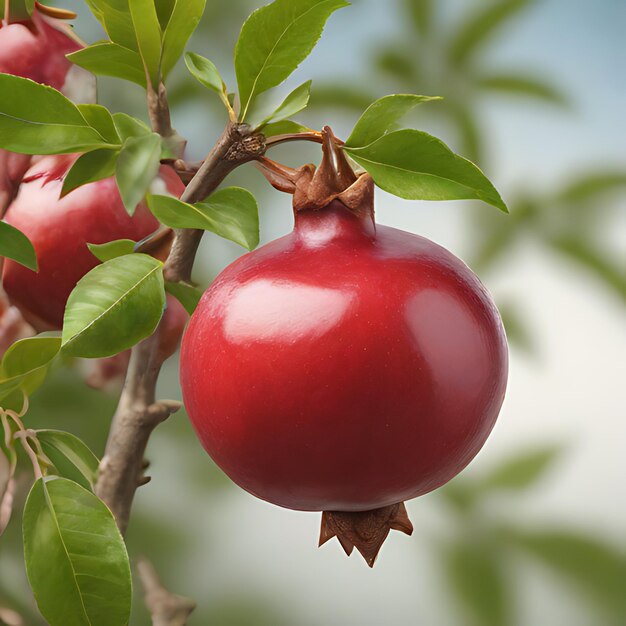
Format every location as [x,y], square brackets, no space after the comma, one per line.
[60,229]
[346,367]
[36,49]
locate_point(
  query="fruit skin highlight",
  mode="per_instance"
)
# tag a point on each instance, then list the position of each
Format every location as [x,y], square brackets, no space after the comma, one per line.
[346,367]
[60,228]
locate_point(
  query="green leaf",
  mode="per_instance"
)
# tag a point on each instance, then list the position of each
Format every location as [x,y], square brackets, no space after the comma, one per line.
[90,167]
[29,354]
[594,567]
[137,167]
[25,363]
[285,127]
[518,84]
[479,27]
[187,295]
[106,251]
[274,40]
[36,119]
[295,102]
[128,126]
[148,33]
[182,23]
[100,118]
[14,244]
[522,471]
[76,559]
[114,15]
[414,165]
[71,456]
[382,116]
[113,307]
[422,13]
[477,579]
[111,59]
[205,72]
[231,213]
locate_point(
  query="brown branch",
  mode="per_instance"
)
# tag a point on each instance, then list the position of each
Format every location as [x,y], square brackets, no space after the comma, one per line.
[166,608]
[138,413]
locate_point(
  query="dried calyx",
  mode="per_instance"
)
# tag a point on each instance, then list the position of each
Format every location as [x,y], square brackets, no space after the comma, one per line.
[315,188]
[364,530]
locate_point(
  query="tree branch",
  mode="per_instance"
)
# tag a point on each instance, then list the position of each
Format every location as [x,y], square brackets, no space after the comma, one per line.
[166,608]
[138,413]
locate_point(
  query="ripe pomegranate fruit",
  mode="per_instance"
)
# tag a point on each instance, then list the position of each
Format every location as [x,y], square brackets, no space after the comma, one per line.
[60,228]
[347,367]
[36,49]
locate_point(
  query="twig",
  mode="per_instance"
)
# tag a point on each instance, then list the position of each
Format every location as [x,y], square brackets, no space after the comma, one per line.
[138,412]
[166,608]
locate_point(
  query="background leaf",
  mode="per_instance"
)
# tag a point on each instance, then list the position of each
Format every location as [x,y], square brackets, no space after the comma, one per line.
[414,165]
[521,85]
[422,12]
[593,567]
[14,244]
[523,471]
[113,307]
[477,579]
[231,213]
[75,556]
[137,166]
[479,27]
[274,40]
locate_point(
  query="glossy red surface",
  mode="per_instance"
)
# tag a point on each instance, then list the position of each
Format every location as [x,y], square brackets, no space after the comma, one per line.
[37,51]
[345,366]
[60,230]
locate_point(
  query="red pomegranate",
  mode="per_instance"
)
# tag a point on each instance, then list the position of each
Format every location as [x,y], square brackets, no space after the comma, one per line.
[60,229]
[36,49]
[347,367]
